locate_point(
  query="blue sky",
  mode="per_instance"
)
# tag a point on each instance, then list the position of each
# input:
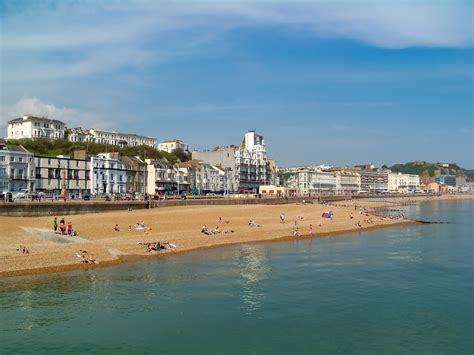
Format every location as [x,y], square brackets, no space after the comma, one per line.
[326,82]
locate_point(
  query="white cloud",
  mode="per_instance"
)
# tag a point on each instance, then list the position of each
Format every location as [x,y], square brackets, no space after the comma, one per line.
[42,43]
[71,116]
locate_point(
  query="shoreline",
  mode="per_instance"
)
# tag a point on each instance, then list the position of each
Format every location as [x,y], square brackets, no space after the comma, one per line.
[126,258]
[196,241]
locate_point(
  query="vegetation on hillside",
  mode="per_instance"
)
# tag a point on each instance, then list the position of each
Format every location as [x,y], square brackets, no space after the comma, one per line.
[51,148]
[431,169]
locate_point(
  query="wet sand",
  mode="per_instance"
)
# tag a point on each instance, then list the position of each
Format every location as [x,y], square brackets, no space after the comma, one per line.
[178,225]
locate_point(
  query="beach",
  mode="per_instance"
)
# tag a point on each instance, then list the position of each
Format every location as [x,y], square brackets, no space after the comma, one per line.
[181,226]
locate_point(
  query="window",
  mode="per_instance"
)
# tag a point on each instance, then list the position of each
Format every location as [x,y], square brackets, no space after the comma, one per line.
[20,159]
[2,158]
[12,159]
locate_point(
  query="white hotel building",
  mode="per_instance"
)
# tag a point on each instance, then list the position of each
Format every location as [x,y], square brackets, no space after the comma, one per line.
[245,165]
[108,174]
[109,137]
[313,182]
[172,144]
[35,127]
[403,183]
[16,168]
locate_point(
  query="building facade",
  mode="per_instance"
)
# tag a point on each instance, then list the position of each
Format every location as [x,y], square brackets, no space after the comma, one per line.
[16,169]
[403,183]
[108,174]
[347,182]
[135,175]
[54,173]
[173,144]
[248,162]
[313,182]
[373,181]
[161,177]
[110,137]
[448,180]
[35,127]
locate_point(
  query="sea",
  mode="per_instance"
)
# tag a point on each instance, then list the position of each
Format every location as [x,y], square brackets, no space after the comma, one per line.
[400,290]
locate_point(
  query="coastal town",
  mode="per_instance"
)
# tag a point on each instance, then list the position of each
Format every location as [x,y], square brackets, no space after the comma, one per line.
[232,171]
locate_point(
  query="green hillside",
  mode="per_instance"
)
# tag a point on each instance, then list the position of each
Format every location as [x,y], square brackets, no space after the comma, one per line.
[431,169]
[51,148]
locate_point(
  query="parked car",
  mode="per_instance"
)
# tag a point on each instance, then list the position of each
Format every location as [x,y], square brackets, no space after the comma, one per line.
[23,193]
[86,196]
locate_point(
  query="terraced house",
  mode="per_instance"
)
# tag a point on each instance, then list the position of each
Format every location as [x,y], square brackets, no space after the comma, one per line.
[16,168]
[52,173]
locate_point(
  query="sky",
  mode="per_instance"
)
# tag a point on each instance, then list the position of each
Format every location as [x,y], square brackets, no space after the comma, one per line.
[325,82]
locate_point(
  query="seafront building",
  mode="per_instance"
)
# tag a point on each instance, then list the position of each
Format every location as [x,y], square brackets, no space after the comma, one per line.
[54,173]
[108,174]
[16,169]
[160,177]
[35,127]
[347,182]
[448,180]
[135,175]
[313,182]
[248,162]
[403,183]
[373,181]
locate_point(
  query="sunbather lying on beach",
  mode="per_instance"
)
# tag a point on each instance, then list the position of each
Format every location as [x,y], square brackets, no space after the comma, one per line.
[23,249]
[252,223]
[157,246]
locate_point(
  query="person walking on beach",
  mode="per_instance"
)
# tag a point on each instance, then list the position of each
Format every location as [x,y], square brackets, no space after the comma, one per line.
[55,224]
[69,228]
[282,218]
[310,229]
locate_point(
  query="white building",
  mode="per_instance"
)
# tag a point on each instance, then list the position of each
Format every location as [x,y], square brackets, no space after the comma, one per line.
[173,144]
[35,127]
[108,174]
[109,137]
[347,182]
[16,169]
[313,182]
[403,183]
[247,162]
[161,177]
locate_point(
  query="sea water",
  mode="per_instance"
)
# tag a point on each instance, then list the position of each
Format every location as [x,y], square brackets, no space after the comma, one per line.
[404,289]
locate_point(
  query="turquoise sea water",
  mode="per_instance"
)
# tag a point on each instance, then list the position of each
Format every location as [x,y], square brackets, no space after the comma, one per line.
[404,289]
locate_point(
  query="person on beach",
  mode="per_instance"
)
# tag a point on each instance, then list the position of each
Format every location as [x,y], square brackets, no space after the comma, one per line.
[69,228]
[310,229]
[252,223]
[282,218]
[117,228]
[296,232]
[55,224]
[62,227]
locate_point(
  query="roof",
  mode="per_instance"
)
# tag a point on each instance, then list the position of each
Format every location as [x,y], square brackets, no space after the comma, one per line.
[123,134]
[17,148]
[29,118]
[173,141]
